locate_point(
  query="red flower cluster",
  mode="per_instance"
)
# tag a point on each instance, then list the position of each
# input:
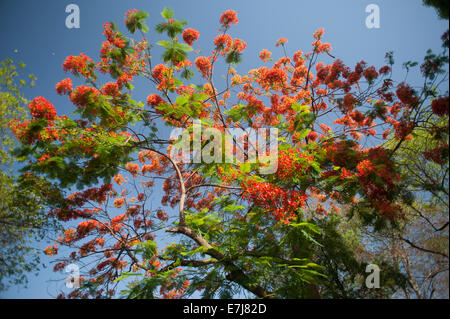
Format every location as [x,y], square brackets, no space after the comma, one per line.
[292,163]
[281,41]
[318,34]
[112,36]
[282,204]
[406,94]
[161,215]
[51,250]
[377,176]
[130,16]
[119,202]
[119,179]
[312,136]
[41,108]
[403,129]
[439,154]
[84,95]
[349,101]
[79,65]
[238,45]
[203,64]
[87,226]
[274,78]
[190,35]
[64,87]
[364,168]
[223,41]
[133,169]
[158,165]
[440,106]
[154,100]
[111,89]
[228,17]
[163,75]
[384,70]
[93,194]
[265,55]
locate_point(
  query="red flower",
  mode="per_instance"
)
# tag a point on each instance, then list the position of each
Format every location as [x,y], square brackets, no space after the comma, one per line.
[364,168]
[370,74]
[203,65]
[118,219]
[440,106]
[280,203]
[43,158]
[113,37]
[384,70]
[119,202]
[190,35]
[229,17]
[265,55]
[41,108]
[349,101]
[238,45]
[161,215]
[111,89]
[81,64]
[51,250]
[402,129]
[154,100]
[83,95]
[273,78]
[281,41]
[438,154]
[357,116]
[64,87]
[318,34]
[119,179]
[159,71]
[406,94]
[312,136]
[223,41]
[132,168]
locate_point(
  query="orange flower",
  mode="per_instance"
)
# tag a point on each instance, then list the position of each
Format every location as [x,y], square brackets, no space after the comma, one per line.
[318,34]
[265,55]
[229,17]
[133,169]
[119,179]
[281,41]
[111,89]
[41,108]
[119,202]
[64,87]
[203,65]
[190,35]
[223,41]
[154,100]
[51,250]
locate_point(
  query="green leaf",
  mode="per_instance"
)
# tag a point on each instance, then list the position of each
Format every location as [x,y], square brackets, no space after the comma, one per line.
[126,275]
[245,168]
[167,13]
[163,43]
[232,208]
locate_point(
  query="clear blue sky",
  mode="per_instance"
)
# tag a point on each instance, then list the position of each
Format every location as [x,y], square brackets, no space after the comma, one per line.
[34,32]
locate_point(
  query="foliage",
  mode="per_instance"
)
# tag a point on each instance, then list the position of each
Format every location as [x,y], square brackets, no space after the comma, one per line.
[441,7]
[236,230]
[22,216]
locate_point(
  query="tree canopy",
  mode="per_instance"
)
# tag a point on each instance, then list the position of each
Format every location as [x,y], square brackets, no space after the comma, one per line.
[203,211]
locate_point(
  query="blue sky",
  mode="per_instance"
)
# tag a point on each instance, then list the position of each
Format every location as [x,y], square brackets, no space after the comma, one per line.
[34,32]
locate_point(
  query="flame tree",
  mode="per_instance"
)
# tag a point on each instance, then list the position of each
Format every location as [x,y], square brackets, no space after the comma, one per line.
[234,229]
